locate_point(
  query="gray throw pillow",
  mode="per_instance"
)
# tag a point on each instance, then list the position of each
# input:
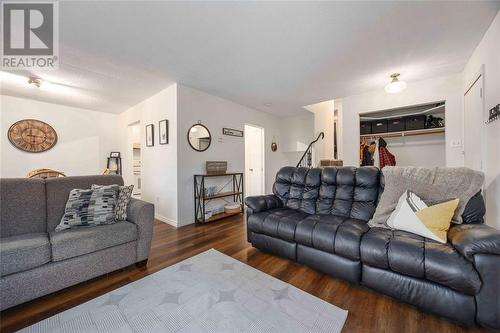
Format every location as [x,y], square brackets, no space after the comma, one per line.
[123,198]
[89,208]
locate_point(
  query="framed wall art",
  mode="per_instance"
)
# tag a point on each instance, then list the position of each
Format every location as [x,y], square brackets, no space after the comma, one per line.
[232,132]
[150,135]
[163,132]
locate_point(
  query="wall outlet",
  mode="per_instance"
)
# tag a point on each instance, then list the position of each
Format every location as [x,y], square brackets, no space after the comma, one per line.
[456,143]
[220,140]
[157,199]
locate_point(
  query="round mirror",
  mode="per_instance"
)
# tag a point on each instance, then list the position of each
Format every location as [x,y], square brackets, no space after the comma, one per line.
[199,137]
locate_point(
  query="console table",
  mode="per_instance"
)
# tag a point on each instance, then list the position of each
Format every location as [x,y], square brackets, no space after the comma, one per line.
[201,198]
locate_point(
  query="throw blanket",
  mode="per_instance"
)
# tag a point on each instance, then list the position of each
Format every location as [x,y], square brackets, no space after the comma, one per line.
[434,185]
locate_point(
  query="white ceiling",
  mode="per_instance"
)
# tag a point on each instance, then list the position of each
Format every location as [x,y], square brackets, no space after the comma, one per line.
[289,54]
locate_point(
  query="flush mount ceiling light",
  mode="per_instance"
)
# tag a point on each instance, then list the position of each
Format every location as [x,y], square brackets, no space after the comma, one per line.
[35,81]
[37,85]
[395,86]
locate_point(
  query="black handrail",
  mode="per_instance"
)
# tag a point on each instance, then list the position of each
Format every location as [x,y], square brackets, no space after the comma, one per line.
[320,135]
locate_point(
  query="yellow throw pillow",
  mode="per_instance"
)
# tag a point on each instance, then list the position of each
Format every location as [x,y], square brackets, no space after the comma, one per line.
[437,218]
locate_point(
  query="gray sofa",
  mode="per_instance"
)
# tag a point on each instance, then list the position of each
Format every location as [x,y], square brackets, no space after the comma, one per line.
[35,260]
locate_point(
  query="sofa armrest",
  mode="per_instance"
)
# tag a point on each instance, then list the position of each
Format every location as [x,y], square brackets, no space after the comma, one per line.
[262,203]
[472,239]
[142,214]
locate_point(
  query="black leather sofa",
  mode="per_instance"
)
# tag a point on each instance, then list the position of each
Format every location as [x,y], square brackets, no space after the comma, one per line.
[318,217]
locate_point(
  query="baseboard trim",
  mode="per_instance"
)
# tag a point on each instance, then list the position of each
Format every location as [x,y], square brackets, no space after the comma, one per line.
[182,224]
[166,220]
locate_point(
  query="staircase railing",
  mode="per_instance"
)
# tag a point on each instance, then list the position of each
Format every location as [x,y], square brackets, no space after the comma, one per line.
[306,159]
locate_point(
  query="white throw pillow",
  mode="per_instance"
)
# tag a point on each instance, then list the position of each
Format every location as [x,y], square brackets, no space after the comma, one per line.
[413,215]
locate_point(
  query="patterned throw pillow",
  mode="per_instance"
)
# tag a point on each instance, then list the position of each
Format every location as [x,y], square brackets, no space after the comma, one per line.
[121,205]
[89,208]
[124,194]
[413,215]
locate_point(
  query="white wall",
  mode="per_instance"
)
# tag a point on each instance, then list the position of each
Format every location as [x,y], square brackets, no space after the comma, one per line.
[297,133]
[167,170]
[421,150]
[446,89]
[216,113]
[85,138]
[324,118]
[488,53]
[158,163]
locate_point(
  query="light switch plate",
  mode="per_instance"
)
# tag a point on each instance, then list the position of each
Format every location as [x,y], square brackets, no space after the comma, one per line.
[456,143]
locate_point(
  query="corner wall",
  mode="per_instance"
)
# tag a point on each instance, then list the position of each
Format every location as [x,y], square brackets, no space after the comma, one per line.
[158,163]
[324,118]
[488,53]
[297,132]
[167,170]
[216,113]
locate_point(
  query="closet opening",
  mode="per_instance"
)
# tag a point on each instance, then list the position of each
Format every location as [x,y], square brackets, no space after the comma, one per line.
[405,136]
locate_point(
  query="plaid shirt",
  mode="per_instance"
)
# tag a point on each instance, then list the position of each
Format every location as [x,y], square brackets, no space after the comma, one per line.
[386,158]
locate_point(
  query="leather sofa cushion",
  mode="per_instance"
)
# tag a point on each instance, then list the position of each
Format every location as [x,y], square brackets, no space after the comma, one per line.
[419,257]
[474,210]
[343,191]
[256,204]
[76,242]
[470,240]
[333,234]
[23,252]
[279,223]
[424,294]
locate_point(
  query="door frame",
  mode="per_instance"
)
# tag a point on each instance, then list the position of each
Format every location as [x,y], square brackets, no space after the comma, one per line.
[129,154]
[478,76]
[263,157]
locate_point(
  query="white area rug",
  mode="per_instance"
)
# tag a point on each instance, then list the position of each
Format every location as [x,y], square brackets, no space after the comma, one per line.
[210,292]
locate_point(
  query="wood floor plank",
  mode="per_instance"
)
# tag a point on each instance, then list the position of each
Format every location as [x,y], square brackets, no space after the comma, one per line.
[369,311]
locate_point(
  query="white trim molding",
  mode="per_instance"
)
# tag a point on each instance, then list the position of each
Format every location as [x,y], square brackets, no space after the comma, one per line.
[166,220]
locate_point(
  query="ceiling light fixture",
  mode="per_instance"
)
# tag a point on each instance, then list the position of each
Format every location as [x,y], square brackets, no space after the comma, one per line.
[35,81]
[46,85]
[395,85]
[37,85]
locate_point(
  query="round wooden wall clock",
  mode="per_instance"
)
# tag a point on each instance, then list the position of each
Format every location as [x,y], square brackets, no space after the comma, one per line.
[33,136]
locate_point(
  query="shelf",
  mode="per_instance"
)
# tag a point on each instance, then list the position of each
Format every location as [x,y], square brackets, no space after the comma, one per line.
[221,216]
[405,133]
[201,199]
[427,109]
[221,195]
[220,174]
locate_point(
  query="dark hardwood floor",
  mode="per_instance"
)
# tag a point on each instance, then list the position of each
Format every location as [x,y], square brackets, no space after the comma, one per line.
[368,311]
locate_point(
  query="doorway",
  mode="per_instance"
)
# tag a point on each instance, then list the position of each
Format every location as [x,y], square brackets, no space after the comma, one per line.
[254,160]
[133,156]
[473,124]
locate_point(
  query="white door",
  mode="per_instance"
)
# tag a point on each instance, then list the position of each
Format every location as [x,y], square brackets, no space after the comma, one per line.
[254,160]
[473,124]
